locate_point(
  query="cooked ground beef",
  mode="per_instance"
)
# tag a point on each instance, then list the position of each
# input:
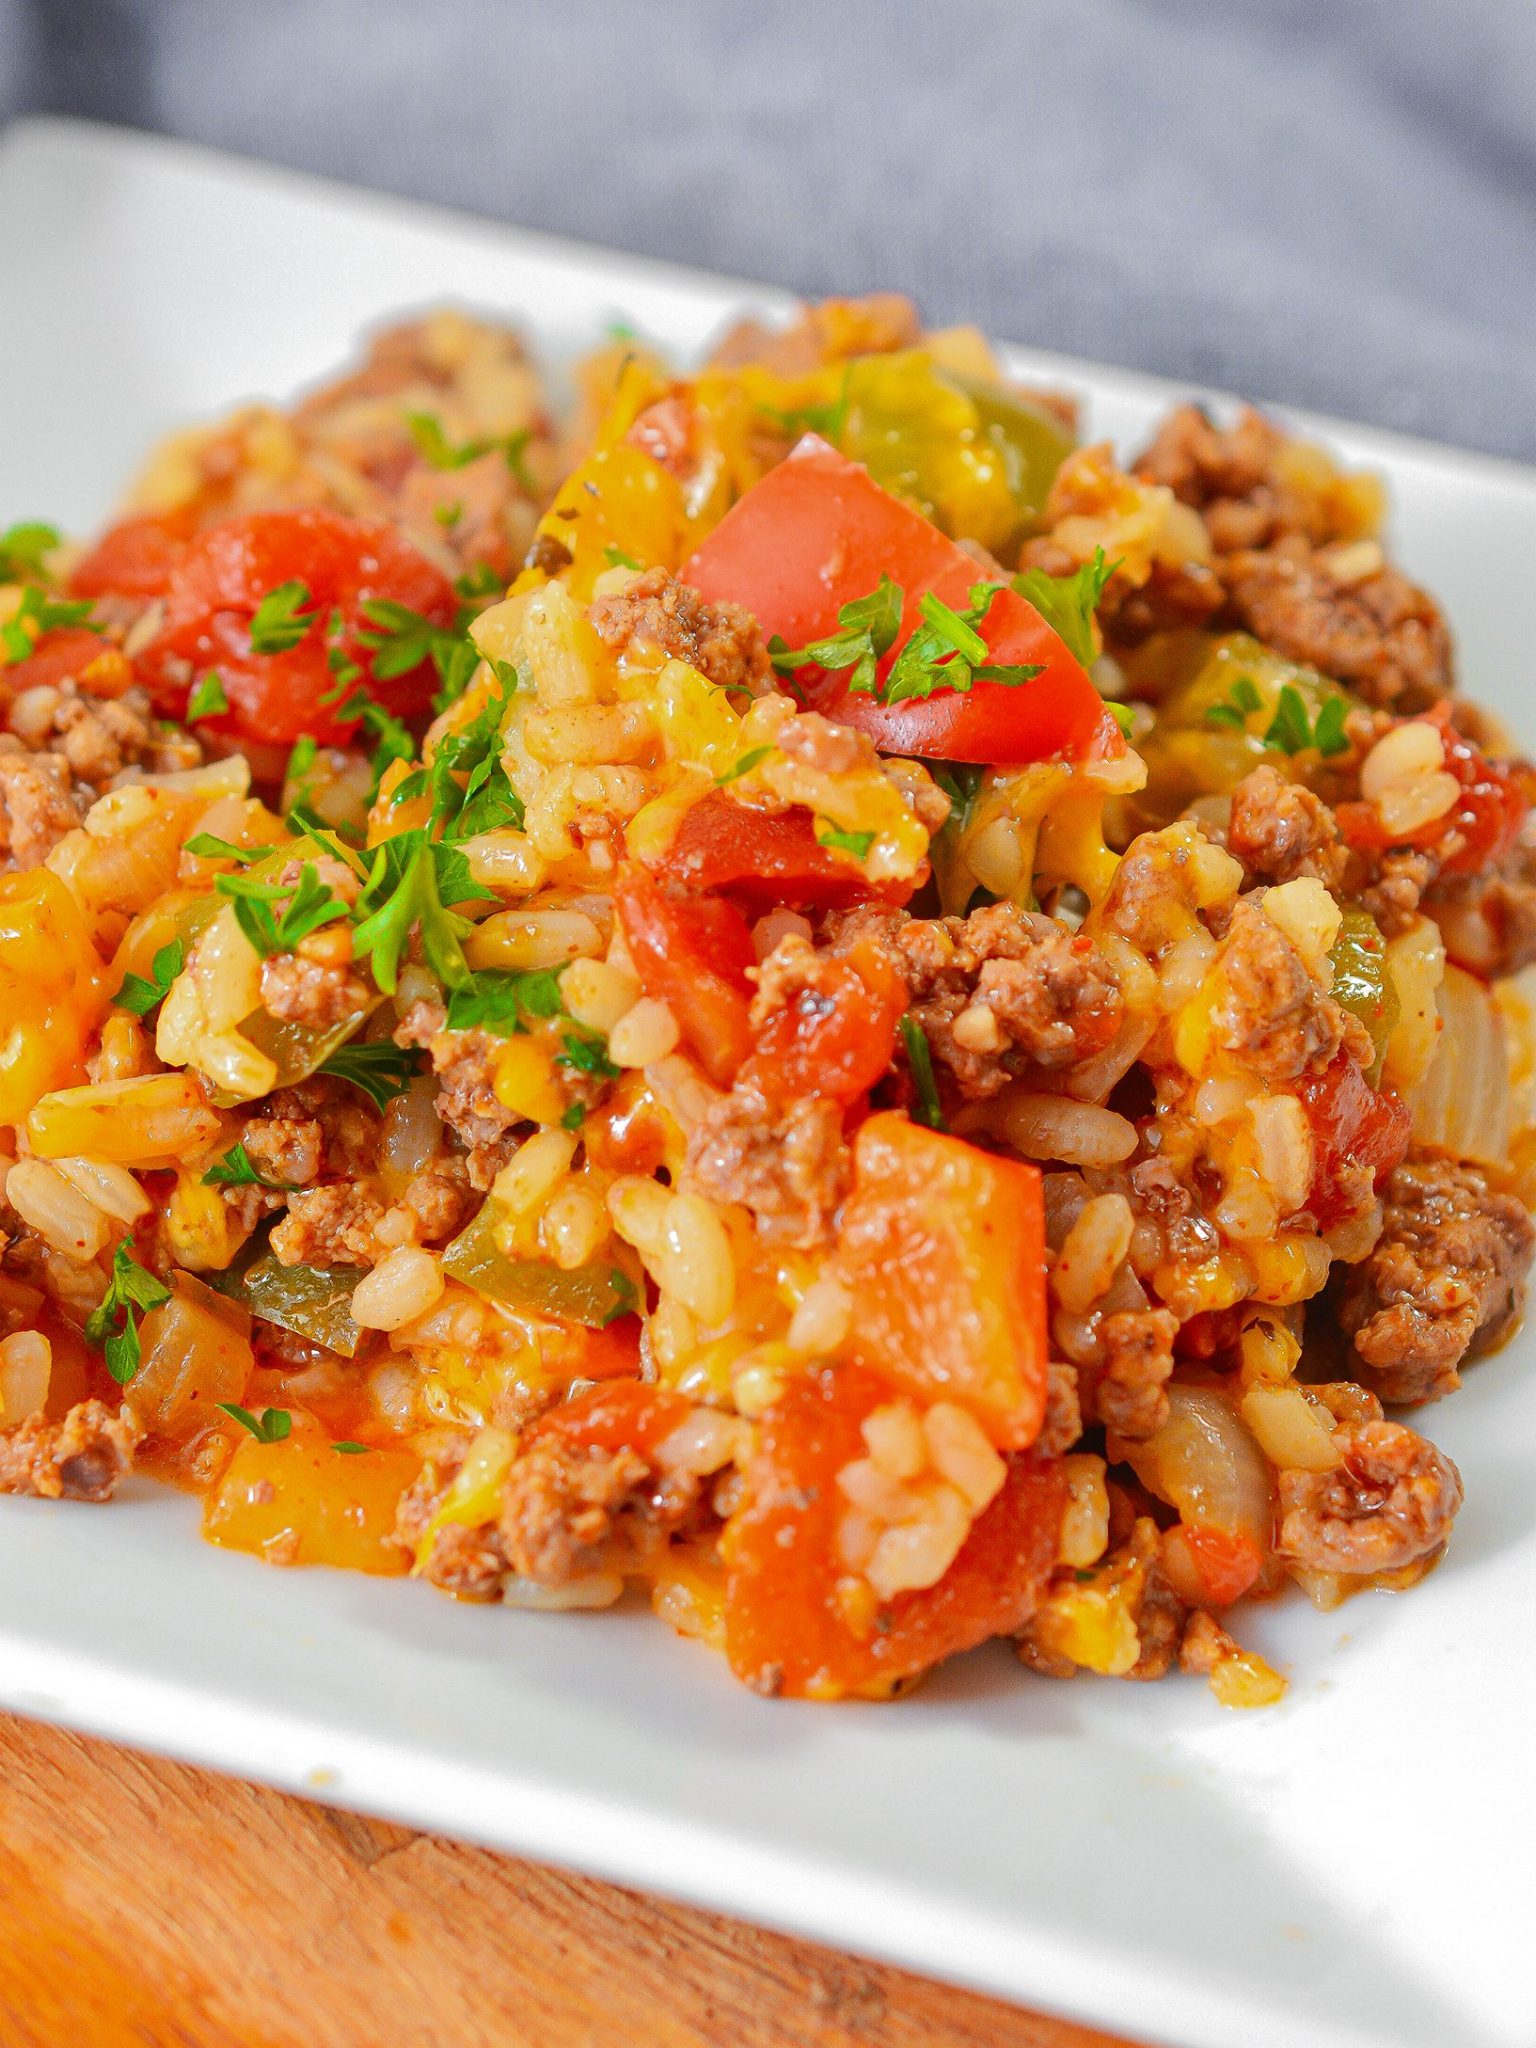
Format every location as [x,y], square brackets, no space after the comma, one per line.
[1389,1502]
[998,992]
[1235,477]
[98,737]
[1204,1644]
[1125,1391]
[1063,1423]
[440,1201]
[1280,831]
[336,1225]
[790,1168]
[1381,636]
[1271,1011]
[319,993]
[38,803]
[721,641]
[1446,1280]
[467,1102]
[1489,919]
[81,1458]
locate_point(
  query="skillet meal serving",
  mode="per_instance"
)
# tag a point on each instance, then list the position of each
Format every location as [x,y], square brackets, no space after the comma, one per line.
[793,991]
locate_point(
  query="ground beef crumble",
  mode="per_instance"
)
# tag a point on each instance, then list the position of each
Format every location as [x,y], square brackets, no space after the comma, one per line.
[791,1168]
[1446,1280]
[80,1458]
[721,641]
[1280,831]
[1388,1503]
[319,993]
[1271,1012]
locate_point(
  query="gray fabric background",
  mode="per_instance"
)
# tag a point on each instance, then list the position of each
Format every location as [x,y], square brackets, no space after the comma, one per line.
[1328,202]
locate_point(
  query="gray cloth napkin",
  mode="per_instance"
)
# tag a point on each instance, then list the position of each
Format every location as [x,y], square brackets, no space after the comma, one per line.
[1328,205]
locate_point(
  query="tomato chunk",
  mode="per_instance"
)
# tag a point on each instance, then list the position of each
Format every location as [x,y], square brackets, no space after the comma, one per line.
[135,558]
[943,1246]
[786,1630]
[1359,1134]
[836,1035]
[818,532]
[765,859]
[1221,1563]
[1480,827]
[693,956]
[619,1415]
[69,651]
[218,584]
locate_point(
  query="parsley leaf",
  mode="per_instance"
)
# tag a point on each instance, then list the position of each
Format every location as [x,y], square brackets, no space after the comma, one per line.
[1123,716]
[501,999]
[626,1296]
[235,1170]
[828,420]
[208,699]
[744,766]
[42,613]
[1328,734]
[113,1325]
[481,579]
[413,882]
[22,548]
[920,1060]
[867,626]
[616,558]
[309,905]
[1068,603]
[301,767]
[856,843]
[574,1117]
[270,1427]
[1240,702]
[948,653]
[348,1449]
[207,847]
[428,433]
[380,1068]
[140,995]
[588,1054]
[485,799]
[961,782]
[280,621]
[401,640]
[1291,729]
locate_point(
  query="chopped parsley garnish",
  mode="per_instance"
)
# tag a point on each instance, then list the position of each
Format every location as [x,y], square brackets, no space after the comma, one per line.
[502,1000]
[207,847]
[400,640]
[114,1325]
[588,1054]
[485,799]
[1123,716]
[428,433]
[744,766]
[380,1068]
[42,614]
[307,905]
[574,1117]
[961,782]
[1290,729]
[349,1449]
[948,653]
[23,547]
[856,843]
[140,995]
[235,1170]
[449,514]
[828,420]
[413,881]
[281,620]
[626,1296]
[1068,603]
[616,558]
[867,627]
[299,773]
[208,699]
[481,579]
[270,1427]
[920,1060]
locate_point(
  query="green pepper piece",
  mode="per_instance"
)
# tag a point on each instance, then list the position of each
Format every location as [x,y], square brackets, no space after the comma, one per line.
[312,1301]
[595,1294]
[1362,981]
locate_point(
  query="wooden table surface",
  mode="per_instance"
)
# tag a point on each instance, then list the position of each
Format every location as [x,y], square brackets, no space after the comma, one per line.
[147,1905]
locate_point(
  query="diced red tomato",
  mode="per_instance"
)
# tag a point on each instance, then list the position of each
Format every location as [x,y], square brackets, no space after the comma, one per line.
[943,1246]
[619,1415]
[693,956]
[219,582]
[69,651]
[135,558]
[765,858]
[834,1039]
[818,532]
[1356,1130]
[1486,819]
[1218,1564]
[612,1353]
[786,1630]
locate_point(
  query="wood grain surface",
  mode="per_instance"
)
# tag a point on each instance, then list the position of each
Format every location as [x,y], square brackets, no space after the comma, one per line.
[147,1905]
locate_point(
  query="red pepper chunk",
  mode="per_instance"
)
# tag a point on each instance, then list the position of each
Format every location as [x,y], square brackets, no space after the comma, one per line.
[219,582]
[943,1248]
[765,859]
[693,956]
[818,532]
[1359,1134]
[836,1035]
[787,1631]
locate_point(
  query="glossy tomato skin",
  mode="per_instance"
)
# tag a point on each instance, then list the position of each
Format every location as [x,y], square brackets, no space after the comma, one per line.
[620,1414]
[818,532]
[137,557]
[693,955]
[1357,1131]
[1479,829]
[217,584]
[787,1632]
[835,1038]
[764,859]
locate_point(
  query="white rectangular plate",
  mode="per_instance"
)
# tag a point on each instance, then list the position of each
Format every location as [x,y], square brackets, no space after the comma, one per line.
[1353,1869]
